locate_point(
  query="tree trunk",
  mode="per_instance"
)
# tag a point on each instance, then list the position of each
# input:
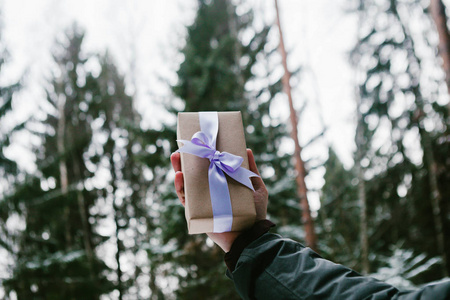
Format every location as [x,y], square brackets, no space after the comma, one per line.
[359,141]
[310,238]
[63,167]
[364,239]
[435,196]
[437,10]
[84,220]
[116,212]
[232,24]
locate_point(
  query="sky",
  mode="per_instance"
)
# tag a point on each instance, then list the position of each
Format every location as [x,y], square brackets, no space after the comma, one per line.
[144,38]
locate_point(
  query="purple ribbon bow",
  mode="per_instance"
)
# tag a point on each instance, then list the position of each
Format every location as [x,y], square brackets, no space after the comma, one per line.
[203,144]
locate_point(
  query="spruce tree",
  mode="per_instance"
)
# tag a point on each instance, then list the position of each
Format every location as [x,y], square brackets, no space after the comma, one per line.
[127,156]
[56,255]
[217,67]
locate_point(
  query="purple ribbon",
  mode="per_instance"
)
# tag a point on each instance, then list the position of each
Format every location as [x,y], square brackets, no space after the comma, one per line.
[203,144]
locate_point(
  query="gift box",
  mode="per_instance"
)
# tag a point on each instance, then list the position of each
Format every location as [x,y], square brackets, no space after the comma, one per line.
[211,171]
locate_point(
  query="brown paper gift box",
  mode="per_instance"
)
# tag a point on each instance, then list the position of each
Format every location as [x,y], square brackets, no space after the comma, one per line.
[198,209]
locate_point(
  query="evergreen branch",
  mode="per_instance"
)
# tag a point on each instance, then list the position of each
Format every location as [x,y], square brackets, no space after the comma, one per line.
[314,138]
[56,194]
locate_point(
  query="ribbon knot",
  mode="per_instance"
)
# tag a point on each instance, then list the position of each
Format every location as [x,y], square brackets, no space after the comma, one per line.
[215,157]
[203,144]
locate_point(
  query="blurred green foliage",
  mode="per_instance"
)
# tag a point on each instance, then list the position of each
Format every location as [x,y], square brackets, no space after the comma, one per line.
[100,216]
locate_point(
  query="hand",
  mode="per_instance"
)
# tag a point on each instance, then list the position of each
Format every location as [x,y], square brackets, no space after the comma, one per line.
[225,240]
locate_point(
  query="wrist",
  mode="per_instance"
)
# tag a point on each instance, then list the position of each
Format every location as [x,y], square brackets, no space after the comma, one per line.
[224,240]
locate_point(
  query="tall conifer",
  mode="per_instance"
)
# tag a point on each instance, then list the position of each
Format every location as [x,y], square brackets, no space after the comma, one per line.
[216,73]
[56,253]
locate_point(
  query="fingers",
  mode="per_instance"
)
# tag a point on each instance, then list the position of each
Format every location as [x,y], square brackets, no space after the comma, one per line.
[179,186]
[176,162]
[261,195]
[179,180]
[256,181]
[251,162]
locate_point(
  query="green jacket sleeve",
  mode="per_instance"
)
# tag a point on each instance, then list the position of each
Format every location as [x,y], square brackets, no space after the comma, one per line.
[275,268]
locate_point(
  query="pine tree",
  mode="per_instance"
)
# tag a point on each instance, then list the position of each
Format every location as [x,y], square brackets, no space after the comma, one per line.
[213,77]
[125,155]
[56,253]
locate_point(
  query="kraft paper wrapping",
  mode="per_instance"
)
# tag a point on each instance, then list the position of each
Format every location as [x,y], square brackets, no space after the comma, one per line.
[198,209]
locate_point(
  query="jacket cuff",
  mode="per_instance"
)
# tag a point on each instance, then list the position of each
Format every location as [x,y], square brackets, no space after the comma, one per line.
[243,240]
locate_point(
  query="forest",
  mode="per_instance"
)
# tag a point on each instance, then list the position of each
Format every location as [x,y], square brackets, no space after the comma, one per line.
[98,217]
